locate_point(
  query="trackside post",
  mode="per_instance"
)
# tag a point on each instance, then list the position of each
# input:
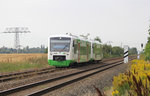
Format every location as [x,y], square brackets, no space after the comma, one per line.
[126,50]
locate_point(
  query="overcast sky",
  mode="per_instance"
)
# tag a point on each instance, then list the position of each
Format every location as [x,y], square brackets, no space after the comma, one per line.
[119,21]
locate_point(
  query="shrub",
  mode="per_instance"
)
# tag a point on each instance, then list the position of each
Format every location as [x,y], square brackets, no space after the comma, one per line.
[135,82]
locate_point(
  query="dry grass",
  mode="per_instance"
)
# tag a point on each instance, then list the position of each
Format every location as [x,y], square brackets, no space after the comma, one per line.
[20,62]
[10,58]
[108,91]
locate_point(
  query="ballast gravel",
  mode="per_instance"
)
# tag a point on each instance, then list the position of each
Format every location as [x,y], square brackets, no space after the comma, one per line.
[85,87]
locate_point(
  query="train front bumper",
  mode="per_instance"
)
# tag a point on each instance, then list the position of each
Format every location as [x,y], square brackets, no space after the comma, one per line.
[65,63]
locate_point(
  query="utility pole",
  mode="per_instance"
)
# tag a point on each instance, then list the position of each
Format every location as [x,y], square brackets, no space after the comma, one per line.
[17,31]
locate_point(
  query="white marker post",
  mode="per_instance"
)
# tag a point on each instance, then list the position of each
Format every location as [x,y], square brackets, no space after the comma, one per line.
[138,57]
[126,50]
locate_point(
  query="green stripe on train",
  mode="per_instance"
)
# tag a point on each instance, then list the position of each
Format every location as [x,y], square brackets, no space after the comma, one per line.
[60,63]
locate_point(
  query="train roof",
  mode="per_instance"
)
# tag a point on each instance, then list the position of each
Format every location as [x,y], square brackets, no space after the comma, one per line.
[70,36]
[75,37]
[60,36]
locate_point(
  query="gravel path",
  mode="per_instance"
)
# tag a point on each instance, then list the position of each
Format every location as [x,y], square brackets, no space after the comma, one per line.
[85,87]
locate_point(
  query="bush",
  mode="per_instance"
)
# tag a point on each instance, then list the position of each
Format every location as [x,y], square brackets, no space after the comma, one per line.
[135,82]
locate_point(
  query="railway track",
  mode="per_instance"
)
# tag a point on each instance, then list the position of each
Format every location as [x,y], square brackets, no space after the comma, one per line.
[12,76]
[52,84]
[19,75]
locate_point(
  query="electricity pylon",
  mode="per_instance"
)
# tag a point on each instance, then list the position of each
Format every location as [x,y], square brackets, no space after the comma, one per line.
[17,31]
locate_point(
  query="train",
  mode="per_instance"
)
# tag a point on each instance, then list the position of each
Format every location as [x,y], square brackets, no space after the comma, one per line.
[68,50]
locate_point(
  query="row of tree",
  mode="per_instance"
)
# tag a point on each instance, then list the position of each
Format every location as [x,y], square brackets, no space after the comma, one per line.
[116,51]
[24,50]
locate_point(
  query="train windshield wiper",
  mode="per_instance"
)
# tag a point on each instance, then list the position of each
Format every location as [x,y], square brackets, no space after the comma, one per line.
[65,47]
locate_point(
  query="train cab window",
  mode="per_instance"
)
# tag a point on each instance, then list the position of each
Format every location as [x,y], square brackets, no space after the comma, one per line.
[60,44]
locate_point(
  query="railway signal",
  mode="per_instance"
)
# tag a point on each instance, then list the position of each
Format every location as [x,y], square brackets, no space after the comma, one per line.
[142,45]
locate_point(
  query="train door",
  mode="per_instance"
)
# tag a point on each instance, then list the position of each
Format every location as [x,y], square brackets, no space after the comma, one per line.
[87,52]
[78,52]
[75,54]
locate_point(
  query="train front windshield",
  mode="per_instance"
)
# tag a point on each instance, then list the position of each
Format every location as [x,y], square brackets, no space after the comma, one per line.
[60,44]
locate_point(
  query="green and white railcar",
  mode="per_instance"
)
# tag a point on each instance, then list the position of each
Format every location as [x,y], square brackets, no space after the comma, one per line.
[97,53]
[64,50]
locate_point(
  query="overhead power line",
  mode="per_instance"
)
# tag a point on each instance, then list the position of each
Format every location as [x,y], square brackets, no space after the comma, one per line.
[17,31]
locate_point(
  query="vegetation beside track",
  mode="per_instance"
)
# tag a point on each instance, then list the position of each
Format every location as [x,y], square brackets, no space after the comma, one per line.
[147,49]
[135,82]
[116,51]
[20,62]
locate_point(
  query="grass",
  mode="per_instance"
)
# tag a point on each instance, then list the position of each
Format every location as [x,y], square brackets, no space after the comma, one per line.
[21,62]
[7,58]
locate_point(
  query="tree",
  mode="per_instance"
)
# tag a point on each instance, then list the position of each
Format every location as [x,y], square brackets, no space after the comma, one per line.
[149,37]
[133,51]
[147,48]
[147,51]
[98,39]
[149,34]
[107,50]
[117,51]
